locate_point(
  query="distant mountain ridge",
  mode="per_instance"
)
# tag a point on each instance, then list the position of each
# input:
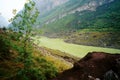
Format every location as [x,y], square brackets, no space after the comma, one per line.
[69,7]
[79,14]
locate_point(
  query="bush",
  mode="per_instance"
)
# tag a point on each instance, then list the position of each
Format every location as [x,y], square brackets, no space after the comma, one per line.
[43,71]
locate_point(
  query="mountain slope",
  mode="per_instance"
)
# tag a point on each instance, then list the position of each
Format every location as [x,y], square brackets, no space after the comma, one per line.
[101,17]
[71,7]
[46,5]
[93,23]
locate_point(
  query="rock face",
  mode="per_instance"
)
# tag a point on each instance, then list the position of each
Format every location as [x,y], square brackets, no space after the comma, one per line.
[94,66]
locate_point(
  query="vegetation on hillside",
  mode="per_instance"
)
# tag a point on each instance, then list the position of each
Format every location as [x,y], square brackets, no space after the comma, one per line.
[105,18]
[13,66]
[59,10]
[72,27]
[19,60]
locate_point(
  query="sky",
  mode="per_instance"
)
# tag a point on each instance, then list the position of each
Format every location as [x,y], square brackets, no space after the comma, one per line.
[6,7]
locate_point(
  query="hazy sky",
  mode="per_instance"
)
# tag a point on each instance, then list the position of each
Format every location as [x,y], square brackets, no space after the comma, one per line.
[6,7]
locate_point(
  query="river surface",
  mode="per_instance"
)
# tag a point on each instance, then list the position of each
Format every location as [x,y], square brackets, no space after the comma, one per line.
[73,49]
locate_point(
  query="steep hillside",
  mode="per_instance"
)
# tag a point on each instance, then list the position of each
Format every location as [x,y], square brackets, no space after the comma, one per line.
[71,7]
[100,17]
[83,17]
[48,4]
[45,6]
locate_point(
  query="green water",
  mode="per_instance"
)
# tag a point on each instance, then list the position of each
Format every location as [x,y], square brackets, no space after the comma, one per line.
[73,49]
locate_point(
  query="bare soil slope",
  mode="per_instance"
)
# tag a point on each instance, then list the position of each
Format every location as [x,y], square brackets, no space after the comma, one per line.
[94,66]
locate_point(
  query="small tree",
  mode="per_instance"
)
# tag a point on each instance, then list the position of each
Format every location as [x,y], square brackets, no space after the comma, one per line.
[23,23]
